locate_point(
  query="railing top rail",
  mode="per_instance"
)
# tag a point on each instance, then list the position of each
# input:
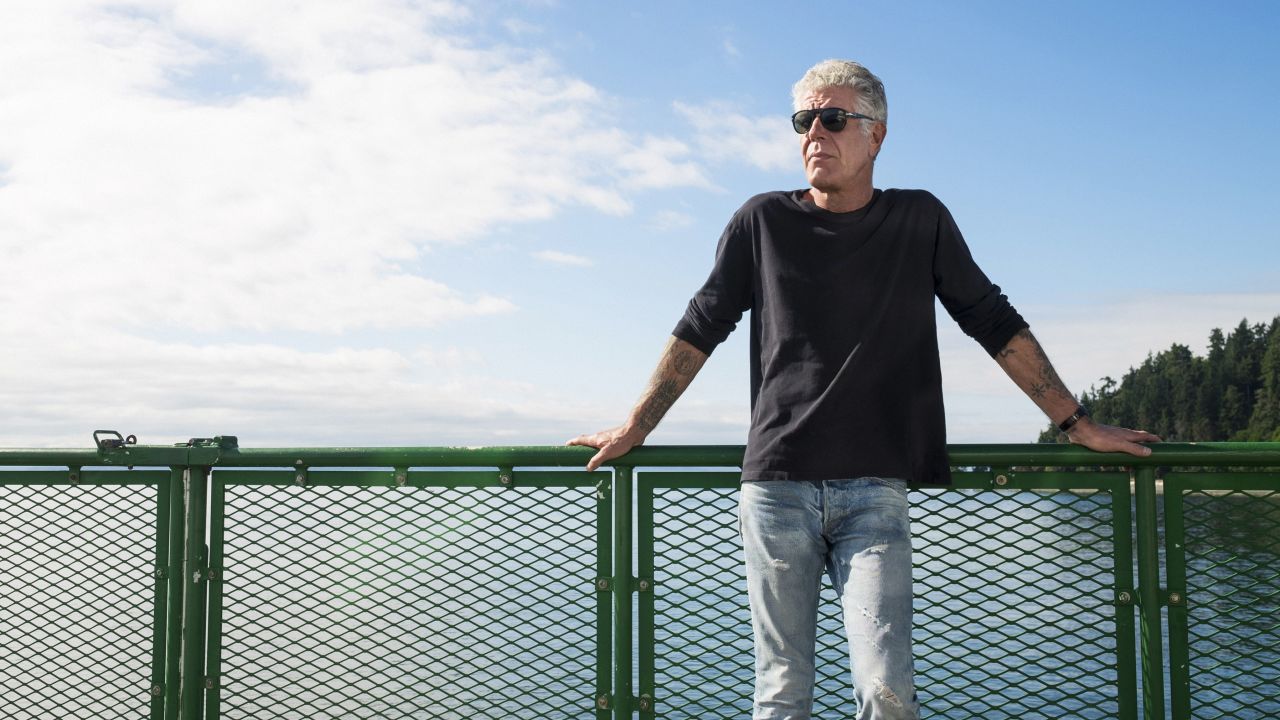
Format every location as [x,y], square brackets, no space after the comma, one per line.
[1212,454]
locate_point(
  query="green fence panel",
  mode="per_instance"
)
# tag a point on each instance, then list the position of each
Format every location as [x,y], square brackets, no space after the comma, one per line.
[1023,596]
[1223,553]
[83,579]
[1023,599]
[698,663]
[373,594]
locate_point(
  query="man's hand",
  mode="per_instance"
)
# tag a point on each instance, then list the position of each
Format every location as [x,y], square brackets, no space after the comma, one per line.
[1108,438]
[611,444]
[680,362]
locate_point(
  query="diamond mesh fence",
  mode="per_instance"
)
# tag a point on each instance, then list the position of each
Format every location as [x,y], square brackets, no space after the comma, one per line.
[1015,610]
[1230,556]
[701,651]
[1016,613]
[79,588]
[448,601]
[461,596]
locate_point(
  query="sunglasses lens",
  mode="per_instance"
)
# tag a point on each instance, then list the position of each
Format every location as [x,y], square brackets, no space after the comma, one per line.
[802,120]
[832,119]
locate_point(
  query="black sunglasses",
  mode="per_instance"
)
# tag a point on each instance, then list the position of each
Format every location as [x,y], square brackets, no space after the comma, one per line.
[832,119]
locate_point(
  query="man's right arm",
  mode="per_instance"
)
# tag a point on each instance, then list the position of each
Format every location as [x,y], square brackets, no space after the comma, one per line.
[679,364]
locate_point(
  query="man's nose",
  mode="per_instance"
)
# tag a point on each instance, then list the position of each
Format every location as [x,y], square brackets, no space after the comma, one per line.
[816,129]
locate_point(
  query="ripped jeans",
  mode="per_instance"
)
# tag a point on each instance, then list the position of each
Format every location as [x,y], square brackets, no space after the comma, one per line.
[859,530]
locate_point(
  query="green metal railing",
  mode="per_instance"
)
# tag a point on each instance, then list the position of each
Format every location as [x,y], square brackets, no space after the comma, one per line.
[211,581]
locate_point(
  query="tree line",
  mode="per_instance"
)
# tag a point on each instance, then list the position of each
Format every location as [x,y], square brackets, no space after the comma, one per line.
[1233,393]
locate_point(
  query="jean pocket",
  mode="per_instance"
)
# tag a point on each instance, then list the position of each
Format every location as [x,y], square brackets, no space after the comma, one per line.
[895,483]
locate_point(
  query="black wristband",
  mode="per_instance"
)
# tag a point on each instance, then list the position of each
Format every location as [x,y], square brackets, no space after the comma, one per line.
[1070,422]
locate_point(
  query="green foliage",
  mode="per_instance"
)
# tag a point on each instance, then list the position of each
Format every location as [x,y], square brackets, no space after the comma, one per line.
[1233,393]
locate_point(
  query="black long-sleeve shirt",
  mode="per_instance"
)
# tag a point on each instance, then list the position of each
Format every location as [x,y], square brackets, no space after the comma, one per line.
[845,375]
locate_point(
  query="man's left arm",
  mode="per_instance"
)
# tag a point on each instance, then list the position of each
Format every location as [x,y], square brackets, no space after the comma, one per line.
[1029,368]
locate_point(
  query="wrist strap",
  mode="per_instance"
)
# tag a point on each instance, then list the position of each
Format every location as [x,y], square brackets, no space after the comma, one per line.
[1070,422]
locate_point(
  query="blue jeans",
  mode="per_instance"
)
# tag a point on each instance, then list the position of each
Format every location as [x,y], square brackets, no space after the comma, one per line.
[860,532]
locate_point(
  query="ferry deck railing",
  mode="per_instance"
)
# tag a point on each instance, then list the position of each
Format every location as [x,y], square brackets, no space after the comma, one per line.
[205,580]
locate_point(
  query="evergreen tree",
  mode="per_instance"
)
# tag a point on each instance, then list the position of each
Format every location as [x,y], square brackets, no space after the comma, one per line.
[1233,393]
[1264,421]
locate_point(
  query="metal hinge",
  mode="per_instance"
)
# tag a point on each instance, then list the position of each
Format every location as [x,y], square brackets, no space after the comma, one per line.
[206,575]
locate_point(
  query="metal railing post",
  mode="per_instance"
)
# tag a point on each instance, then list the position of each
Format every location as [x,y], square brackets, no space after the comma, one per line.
[1126,597]
[647,703]
[622,650]
[1175,558]
[194,596]
[176,588]
[1149,594]
[604,621]
[164,577]
[214,574]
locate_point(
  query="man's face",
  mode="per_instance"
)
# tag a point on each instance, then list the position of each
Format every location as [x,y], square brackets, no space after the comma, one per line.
[841,161]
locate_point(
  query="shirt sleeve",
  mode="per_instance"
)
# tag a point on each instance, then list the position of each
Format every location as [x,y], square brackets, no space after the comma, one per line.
[714,311]
[972,300]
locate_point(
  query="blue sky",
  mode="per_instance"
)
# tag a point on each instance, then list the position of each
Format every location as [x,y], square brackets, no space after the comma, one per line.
[439,223]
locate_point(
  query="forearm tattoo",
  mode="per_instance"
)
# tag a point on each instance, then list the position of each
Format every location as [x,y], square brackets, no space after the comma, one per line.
[676,370]
[685,363]
[657,404]
[1045,378]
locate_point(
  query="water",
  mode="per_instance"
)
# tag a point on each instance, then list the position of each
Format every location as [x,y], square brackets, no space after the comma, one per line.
[479,602]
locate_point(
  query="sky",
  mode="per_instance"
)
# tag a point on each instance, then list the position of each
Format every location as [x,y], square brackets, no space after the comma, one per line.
[384,222]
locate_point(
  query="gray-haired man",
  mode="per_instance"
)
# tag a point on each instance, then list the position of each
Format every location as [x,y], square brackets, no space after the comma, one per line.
[846,391]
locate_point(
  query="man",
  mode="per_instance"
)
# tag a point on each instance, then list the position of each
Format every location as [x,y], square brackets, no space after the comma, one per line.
[846,391]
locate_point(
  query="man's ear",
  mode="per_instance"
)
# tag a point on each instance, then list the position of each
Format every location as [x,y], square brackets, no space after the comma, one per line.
[878,131]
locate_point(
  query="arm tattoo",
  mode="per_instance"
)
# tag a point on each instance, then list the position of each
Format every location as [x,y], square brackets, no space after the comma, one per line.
[684,363]
[679,364]
[663,397]
[1034,368]
[1050,376]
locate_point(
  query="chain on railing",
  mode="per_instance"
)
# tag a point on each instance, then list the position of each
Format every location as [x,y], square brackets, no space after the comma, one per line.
[216,582]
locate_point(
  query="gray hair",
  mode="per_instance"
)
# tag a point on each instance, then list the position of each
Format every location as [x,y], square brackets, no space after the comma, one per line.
[845,73]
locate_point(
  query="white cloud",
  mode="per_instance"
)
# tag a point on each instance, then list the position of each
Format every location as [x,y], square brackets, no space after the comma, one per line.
[562,258]
[269,395]
[724,135]
[297,210]
[519,27]
[242,169]
[654,164]
[668,220]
